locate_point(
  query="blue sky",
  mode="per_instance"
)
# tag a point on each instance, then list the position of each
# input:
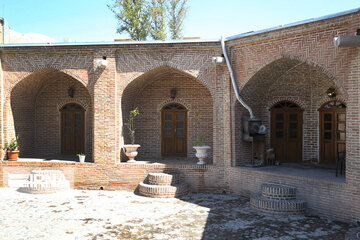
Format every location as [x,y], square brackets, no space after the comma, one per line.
[92,21]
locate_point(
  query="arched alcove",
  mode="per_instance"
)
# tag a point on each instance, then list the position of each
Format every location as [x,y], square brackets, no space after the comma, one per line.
[33,114]
[294,80]
[151,90]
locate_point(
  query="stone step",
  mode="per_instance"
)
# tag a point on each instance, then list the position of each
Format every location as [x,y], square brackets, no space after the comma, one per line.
[163,179]
[278,191]
[163,191]
[279,207]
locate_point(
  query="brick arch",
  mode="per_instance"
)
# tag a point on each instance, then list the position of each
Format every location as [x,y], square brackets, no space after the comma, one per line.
[326,99]
[150,92]
[297,60]
[38,70]
[159,67]
[178,100]
[80,102]
[31,109]
[294,100]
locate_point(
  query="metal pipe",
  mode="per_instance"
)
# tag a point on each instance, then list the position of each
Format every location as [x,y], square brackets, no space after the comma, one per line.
[233,79]
[347,41]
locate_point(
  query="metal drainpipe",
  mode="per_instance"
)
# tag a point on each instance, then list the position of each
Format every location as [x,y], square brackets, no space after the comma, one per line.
[233,79]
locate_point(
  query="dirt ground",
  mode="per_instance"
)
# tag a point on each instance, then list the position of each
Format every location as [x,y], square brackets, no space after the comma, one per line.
[76,214]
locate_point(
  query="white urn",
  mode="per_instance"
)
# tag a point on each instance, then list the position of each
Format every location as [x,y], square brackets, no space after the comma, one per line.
[82,158]
[201,153]
[131,152]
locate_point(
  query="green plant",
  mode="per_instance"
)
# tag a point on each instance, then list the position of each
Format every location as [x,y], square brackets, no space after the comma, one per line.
[197,121]
[13,145]
[130,124]
[80,154]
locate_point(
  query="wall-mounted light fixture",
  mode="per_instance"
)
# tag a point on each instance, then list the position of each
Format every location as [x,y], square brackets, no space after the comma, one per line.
[173,93]
[71,91]
[102,63]
[218,60]
[331,92]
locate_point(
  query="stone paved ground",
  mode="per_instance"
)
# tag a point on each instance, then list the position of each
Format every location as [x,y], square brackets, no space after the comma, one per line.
[79,215]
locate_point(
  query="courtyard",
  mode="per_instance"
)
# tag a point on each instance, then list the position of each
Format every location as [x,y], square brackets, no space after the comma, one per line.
[79,214]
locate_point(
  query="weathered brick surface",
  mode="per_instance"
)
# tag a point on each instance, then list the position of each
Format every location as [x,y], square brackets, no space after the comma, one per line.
[35,112]
[150,97]
[125,176]
[297,63]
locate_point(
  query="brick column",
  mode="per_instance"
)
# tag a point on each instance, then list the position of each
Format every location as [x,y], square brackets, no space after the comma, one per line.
[352,135]
[222,130]
[353,120]
[104,143]
[2,102]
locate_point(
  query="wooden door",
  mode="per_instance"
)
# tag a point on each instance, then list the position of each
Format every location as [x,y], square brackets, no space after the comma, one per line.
[332,131]
[72,129]
[286,132]
[174,131]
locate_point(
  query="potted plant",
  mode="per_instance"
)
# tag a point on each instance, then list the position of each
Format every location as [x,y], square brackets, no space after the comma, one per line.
[81,157]
[131,149]
[12,148]
[198,145]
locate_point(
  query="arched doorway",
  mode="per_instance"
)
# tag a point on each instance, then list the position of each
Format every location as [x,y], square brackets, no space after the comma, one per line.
[174,131]
[286,131]
[332,131]
[72,129]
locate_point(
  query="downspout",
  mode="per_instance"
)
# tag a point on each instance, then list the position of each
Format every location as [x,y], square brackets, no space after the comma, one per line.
[233,79]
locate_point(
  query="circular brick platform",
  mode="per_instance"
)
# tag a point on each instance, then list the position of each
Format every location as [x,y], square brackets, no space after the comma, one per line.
[163,179]
[278,191]
[163,191]
[277,199]
[163,185]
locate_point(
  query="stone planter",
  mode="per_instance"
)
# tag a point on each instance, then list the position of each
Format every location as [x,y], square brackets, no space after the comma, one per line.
[201,153]
[82,158]
[131,152]
[13,155]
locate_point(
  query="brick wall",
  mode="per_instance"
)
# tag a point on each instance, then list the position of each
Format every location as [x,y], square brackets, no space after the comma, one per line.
[34,112]
[297,63]
[121,176]
[195,78]
[50,100]
[324,198]
[296,82]
[153,95]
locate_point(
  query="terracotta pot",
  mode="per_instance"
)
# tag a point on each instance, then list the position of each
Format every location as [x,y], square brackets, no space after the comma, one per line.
[201,153]
[131,152]
[13,155]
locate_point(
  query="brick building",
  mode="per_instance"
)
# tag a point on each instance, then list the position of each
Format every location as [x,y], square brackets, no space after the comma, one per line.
[284,74]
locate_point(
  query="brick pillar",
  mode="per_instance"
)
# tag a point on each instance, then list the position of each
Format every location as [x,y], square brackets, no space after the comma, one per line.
[222,130]
[353,120]
[104,143]
[2,105]
[352,134]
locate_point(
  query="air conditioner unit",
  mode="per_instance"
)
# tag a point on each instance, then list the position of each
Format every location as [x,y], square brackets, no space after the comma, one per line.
[252,127]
